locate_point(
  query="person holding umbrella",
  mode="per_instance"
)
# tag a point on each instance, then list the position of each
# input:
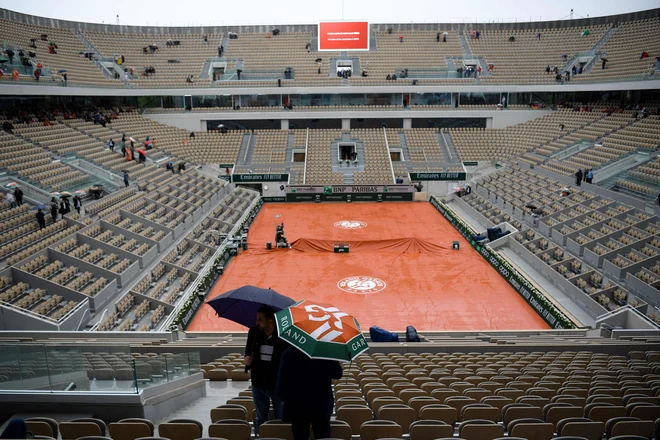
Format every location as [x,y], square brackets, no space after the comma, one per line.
[321,336]
[53,209]
[41,219]
[262,356]
[264,346]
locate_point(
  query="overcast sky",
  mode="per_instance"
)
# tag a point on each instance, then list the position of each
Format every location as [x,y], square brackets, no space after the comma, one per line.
[227,12]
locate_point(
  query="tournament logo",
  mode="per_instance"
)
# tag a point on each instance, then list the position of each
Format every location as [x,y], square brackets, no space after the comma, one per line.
[350,224]
[362,285]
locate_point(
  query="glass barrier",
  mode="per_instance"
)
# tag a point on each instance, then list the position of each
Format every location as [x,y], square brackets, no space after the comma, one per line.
[77,368]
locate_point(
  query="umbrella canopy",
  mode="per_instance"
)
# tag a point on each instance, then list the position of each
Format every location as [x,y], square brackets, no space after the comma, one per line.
[80,192]
[65,194]
[141,151]
[241,305]
[321,331]
[11,185]
[131,139]
[62,71]
[36,208]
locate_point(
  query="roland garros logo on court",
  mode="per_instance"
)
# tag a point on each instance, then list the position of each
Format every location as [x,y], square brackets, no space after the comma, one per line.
[350,224]
[361,285]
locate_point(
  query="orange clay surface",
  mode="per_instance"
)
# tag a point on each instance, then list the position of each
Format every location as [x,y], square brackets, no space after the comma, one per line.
[406,246]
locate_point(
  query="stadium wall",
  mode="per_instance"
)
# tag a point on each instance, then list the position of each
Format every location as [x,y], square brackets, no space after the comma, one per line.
[495,119]
[379,27]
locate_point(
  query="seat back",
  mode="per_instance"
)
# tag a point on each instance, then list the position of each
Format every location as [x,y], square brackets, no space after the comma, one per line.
[231,429]
[74,430]
[380,429]
[128,431]
[340,430]
[402,415]
[276,430]
[427,430]
[355,416]
[179,431]
[533,431]
[476,430]
[236,412]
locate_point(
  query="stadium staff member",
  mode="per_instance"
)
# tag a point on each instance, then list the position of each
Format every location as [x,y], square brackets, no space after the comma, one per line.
[262,355]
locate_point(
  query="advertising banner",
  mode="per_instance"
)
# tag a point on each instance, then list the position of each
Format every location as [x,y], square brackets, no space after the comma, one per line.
[256,178]
[349,189]
[437,176]
[344,35]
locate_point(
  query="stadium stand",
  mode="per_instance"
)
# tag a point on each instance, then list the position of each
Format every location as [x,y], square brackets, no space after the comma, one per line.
[623,53]
[107,294]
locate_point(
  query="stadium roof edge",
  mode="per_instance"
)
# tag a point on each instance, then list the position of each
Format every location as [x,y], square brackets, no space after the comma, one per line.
[378,27]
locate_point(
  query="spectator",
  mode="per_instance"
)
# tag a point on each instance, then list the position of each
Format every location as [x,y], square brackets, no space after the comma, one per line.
[111,145]
[511,39]
[578,177]
[41,219]
[644,54]
[400,38]
[126,179]
[205,38]
[53,209]
[123,150]
[65,78]
[37,74]
[192,135]
[504,101]
[11,200]
[437,37]
[547,69]
[262,356]
[16,429]
[394,77]
[63,209]
[444,37]
[538,36]
[564,57]
[305,387]
[10,55]
[77,203]
[33,43]
[574,69]
[18,194]
[590,175]
[14,75]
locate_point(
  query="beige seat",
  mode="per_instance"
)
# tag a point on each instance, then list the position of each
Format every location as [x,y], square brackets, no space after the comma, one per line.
[402,415]
[129,431]
[380,429]
[224,412]
[231,429]
[354,416]
[430,430]
[180,430]
[276,429]
[74,430]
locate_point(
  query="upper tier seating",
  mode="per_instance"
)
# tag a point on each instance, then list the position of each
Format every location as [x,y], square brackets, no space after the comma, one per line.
[190,55]
[525,59]
[623,52]
[69,56]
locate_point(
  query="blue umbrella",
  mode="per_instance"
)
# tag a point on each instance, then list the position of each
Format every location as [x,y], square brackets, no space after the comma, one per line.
[241,305]
[38,207]
[61,71]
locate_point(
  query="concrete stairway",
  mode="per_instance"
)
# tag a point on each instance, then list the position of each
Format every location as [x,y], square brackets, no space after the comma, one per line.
[448,146]
[242,152]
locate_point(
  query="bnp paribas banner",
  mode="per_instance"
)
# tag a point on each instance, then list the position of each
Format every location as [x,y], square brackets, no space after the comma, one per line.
[357,193]
[349,189]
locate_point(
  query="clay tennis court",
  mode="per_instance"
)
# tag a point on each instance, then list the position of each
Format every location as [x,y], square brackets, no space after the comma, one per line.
[400,271]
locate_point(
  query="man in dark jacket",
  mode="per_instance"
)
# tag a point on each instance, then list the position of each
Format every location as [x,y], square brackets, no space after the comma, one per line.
[262,355]
[305,387]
